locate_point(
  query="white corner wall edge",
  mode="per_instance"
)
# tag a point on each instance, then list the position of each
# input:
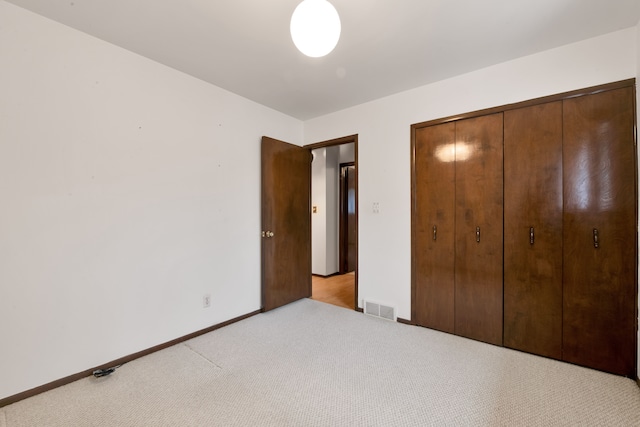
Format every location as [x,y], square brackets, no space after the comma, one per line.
[118,213]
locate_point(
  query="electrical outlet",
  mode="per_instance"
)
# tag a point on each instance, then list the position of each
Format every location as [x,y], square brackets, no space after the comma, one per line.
[206,301]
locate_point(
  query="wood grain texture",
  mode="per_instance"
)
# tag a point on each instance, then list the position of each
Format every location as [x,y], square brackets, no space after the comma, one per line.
[434,206]
[533,198]
[599,286]
[479,204]
[348,231]
[337,290]
[599,315]
[286,198]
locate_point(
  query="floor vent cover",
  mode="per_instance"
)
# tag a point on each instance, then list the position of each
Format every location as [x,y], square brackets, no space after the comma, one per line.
[379,310]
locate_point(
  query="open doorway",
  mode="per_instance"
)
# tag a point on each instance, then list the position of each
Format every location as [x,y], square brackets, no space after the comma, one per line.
[334,222]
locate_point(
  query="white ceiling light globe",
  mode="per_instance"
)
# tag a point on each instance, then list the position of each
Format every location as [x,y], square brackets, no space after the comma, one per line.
[315,27]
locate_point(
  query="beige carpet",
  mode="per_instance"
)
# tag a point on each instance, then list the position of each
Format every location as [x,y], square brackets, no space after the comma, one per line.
[314,364]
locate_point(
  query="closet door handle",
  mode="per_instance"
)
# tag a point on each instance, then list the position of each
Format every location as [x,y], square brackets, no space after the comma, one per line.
[435,232]
[532,236]
[478,234]
[596,239]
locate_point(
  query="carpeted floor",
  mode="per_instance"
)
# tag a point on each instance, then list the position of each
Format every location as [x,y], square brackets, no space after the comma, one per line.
[314,364]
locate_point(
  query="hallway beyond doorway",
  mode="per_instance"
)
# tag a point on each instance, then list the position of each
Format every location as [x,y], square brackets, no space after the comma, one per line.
[337,289]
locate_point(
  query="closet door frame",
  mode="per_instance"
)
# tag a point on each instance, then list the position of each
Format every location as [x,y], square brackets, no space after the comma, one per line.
[542,100]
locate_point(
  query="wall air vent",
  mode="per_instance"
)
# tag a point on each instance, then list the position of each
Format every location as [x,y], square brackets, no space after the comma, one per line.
[379,310]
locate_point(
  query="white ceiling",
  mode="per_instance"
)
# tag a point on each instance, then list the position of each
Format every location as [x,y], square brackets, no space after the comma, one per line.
[387,46]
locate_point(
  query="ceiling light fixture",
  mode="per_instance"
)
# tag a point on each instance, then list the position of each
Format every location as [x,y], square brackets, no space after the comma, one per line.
[315,27]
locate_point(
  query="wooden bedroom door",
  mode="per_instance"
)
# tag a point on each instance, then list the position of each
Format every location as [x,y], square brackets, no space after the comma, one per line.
[286,223]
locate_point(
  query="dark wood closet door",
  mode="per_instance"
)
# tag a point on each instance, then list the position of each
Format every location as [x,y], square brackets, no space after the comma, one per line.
[434,227]
[600,232]
[478,241]
[533,229]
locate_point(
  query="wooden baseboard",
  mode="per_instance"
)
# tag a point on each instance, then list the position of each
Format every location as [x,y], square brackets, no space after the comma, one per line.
[71,378]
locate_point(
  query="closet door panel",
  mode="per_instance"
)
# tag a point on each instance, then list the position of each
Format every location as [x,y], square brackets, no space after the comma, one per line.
[533,229]
[478,241]
[433,226]
[599,210]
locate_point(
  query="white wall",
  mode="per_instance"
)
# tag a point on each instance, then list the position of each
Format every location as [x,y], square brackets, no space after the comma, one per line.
[347,153]
[333,208]
[324,222]
[325,196]
[319,217]
[383,128]
[128,190]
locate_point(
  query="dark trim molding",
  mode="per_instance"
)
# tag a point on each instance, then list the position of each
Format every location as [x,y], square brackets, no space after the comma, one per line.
[340,141]
[71,378]
[557,97]
[404,321]
[336,141]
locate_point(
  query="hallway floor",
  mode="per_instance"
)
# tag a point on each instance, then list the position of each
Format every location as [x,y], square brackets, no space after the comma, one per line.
[337,290]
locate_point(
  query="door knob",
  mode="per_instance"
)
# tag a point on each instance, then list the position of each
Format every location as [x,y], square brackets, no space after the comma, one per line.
[478,234]
[267,234]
